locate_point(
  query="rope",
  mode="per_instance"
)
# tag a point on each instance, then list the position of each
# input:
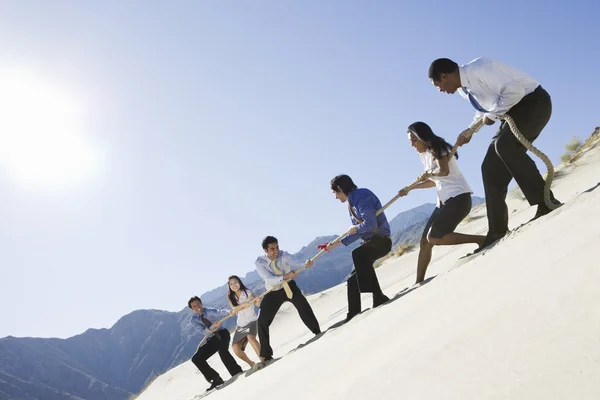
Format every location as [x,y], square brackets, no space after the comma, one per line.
[276,287]
[470,132]
[517,133]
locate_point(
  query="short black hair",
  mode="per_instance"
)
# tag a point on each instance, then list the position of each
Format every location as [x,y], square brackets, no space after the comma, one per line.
[267,241]
[343,182]
[190,301]
[441,66]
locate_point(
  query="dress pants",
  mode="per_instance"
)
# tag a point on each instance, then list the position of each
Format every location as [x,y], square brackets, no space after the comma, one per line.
[507,158]
[364,279]
[210,347]
[268,309]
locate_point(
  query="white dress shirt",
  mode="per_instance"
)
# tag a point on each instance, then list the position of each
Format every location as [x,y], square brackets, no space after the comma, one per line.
[497,87]
[284,262]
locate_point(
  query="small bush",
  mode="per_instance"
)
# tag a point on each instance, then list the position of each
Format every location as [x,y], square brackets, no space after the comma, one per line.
[565,158]
[381,260]
[517,193]
[572,147]
[396,252]
[403,248]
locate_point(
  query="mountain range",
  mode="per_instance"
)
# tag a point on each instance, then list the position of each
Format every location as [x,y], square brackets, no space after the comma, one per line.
[115,363]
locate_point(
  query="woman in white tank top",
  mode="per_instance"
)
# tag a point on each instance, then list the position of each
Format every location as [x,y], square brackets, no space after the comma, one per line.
[453,194]
[246,329]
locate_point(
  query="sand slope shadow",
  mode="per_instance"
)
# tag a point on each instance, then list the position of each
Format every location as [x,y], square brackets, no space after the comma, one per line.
[224,385]
[590,190]
[253,371]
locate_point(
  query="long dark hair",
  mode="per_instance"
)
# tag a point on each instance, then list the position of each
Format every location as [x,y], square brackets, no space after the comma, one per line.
[231,295]
[437,145]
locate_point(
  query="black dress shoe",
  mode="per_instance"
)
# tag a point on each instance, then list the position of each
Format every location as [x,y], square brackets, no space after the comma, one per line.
[542,208]
[379,300]
[490,239]
[350,316]
[215,384]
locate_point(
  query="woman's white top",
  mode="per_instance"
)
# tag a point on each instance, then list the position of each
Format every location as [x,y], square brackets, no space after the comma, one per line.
[248,314]
[448,186]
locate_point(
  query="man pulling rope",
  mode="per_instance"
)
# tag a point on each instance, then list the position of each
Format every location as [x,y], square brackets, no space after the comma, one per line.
[499,91]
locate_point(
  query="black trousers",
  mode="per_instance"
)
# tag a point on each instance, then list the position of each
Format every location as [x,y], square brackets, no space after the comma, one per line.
[507,158]
[213,345]
[364,279]
[268,309]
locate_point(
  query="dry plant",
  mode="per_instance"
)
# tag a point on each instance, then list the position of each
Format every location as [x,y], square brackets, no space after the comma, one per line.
[589,143]
[517,193]
[399,250]
[572,148]
[403,248]
[381,260]
[467,219]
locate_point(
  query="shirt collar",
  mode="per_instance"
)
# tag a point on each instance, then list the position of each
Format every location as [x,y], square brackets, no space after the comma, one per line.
[266,259]
[352,196]
[464,79]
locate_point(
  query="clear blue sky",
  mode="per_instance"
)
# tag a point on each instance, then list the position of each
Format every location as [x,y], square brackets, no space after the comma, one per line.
[218,123]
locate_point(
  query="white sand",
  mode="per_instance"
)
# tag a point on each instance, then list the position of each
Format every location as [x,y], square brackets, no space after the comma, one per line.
[520,322]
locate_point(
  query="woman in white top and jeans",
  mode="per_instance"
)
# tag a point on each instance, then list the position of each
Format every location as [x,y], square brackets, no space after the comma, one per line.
[453,194]
[247,327]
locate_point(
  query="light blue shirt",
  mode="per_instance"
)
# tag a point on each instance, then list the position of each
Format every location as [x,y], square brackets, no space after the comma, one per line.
[211,314]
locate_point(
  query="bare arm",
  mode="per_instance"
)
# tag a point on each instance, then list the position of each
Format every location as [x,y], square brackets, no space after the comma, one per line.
[426,184]
[443,169]
[423,185]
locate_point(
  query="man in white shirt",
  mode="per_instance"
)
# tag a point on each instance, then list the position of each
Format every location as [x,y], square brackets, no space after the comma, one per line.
[494,89]
[275,267]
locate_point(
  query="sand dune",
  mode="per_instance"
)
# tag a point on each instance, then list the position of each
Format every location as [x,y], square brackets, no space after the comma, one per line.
[519,322]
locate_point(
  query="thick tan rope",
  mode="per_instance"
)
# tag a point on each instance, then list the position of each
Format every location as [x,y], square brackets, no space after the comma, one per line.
[470,132]
[550,177]
[515,130]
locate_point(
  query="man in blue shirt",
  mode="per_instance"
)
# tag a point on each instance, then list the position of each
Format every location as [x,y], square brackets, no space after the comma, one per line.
[375,232]
[206,320]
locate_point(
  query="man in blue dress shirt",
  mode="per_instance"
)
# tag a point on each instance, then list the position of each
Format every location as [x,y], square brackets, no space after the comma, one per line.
[494,89]
[373,230]
[206,320]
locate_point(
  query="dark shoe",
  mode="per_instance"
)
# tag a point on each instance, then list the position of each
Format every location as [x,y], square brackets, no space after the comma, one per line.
[241,371]
[490,240]
[379,300]
[215,384]
[350,316]
[542,208]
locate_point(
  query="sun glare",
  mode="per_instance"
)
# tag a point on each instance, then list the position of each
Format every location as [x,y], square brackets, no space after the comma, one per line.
[42,142]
